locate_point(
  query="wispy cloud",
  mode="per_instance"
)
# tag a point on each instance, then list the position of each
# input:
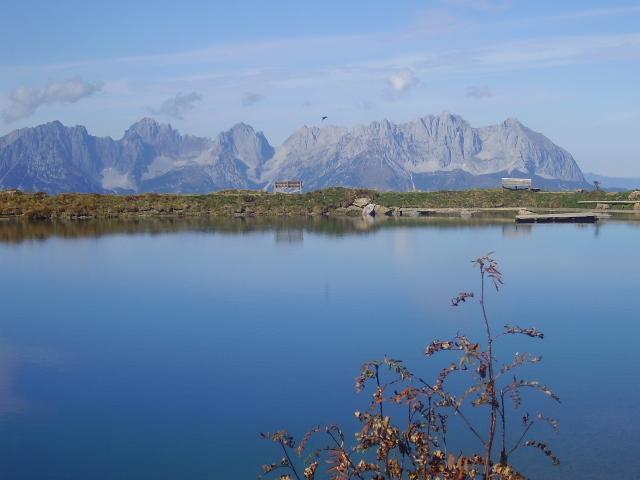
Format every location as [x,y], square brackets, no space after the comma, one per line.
[432,22]
[554,51]
[365,105]
[529,54]
[210,55]
[177,106]
[479,92]
[481,5]
[402,81]
[516,55]
[25,100]
[597,12]
[251,98]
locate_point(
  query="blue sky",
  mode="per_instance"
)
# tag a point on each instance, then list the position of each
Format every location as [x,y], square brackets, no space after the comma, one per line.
[570,69]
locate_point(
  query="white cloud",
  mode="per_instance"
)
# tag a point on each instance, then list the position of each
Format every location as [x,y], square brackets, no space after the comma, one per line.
[177,106]
[251,98]
[25,100]
[402,81]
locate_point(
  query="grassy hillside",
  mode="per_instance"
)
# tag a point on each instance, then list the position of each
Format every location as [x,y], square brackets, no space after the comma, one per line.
[332,201]
[497,198]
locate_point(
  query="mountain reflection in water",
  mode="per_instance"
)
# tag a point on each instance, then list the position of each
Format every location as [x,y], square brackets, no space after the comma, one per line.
[287,229]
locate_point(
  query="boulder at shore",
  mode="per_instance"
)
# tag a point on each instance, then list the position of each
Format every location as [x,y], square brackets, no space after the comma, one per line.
[362,202]
[369,210]
[381,210]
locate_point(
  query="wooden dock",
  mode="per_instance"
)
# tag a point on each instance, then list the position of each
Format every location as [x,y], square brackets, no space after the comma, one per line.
[557,218]
[610,202]
[414,212]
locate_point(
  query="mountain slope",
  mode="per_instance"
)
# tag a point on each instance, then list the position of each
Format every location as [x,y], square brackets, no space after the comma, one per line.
[50,157]
[432,152]
[614,183]
[149,157]
[435,150]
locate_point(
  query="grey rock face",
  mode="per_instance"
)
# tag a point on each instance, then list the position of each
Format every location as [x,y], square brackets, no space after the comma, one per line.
[381,210]
[149,157]
[433,152]
[369,210]
[249,147]
[50,157]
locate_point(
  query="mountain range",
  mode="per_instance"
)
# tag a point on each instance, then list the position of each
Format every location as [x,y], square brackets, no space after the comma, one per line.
[432,152]
[613,184]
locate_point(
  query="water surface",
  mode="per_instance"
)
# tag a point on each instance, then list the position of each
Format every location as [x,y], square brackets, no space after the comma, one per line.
[159,349]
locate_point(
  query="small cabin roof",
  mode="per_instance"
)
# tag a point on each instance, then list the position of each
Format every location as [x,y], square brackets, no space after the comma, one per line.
[523,180]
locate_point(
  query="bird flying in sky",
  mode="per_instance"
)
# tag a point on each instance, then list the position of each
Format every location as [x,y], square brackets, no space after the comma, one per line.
[324,117]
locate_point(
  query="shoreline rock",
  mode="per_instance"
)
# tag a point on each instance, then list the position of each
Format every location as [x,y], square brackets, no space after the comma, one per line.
[382,210]
[369,210]
[361,202]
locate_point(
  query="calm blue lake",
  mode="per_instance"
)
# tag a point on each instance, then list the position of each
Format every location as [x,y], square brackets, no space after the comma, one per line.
[160,349]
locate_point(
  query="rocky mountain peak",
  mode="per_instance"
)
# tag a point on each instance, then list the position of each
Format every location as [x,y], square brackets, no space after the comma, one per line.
[150,130]
[435,151]
[512,122]
[409,155]
[163,138]
[446,116]
[246,145]
[242,128]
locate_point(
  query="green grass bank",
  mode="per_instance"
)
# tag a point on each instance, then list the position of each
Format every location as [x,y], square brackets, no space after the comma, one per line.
[331,201]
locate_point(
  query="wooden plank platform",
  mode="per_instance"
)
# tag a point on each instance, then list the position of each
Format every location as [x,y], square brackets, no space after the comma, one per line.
[414,212]
[557,218]
[611,202]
